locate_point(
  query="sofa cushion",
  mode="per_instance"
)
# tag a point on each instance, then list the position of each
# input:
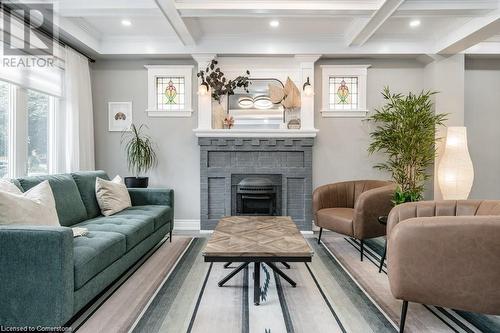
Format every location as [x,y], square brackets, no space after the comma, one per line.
[94,252]
[336,219]
[69,204]
[135,228]
[161,214]
[85,181]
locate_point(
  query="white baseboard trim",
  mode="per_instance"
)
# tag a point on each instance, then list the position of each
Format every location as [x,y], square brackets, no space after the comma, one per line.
[185,224]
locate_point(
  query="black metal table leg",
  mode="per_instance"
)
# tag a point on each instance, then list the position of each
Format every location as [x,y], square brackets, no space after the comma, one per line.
[280,273]
[227,264]
[383,258]
[285,264]
[256,283]
[233,273]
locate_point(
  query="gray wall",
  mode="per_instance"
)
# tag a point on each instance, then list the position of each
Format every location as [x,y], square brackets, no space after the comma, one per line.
[482,119]
[178,152]
[339,152]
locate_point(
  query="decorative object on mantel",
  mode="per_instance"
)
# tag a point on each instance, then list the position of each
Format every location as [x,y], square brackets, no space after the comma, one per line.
[141,155]
[294,124]
[228,122]
[406,134]
[220,88]
[289,97]
[119,116]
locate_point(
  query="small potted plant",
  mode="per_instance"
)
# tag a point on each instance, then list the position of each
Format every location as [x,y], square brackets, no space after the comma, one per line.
[141,156]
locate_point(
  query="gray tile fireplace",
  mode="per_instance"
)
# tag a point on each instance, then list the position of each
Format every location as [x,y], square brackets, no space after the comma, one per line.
[279,169]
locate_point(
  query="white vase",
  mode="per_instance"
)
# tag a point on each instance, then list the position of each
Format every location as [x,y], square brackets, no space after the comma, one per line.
[218,113]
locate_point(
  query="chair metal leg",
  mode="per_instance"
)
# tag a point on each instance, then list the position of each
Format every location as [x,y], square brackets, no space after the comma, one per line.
[383,258]
[362,248]
[256,283]
[404,309]
[319,236]
[170,237]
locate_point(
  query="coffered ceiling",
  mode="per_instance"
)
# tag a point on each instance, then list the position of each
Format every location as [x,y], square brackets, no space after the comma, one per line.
[330,28]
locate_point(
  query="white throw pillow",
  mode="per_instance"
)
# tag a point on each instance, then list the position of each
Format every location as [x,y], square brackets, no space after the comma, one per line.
[112,196]
[33,207]
[8,186]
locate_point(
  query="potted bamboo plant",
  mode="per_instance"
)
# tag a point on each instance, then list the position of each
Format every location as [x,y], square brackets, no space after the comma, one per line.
[141,156]
[406,133]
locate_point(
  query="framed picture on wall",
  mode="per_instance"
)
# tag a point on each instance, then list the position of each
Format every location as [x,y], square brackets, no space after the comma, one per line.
[119,116]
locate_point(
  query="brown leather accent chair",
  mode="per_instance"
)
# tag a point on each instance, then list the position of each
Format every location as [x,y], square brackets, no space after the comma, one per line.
[445,253]
[351,208]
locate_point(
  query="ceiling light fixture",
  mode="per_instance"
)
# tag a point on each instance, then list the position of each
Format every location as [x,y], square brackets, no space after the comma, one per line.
[414,23]
[126,23]
[274,23]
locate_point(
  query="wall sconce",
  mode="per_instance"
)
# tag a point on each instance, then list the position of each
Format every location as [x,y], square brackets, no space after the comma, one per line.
[455,171]
[308,88]
[203,89]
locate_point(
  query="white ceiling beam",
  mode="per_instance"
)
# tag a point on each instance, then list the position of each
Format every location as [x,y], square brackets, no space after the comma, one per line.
[412,8]
[276,8]
[111,8]
[173,17]
[79,33]
[378,18]
[473,32]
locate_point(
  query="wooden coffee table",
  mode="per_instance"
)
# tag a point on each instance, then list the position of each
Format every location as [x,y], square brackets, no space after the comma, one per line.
[257,239]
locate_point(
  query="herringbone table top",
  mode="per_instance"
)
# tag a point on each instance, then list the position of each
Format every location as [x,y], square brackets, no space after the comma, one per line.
[257,236]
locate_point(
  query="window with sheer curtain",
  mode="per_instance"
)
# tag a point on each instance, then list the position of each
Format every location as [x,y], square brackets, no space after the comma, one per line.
[46,117]
[5,105]
[34,112]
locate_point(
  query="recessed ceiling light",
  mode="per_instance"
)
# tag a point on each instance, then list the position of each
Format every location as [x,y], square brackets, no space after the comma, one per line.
[274,23]
[414,23]
[126,23]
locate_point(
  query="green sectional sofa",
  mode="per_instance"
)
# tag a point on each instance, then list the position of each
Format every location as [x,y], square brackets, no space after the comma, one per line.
[47,276]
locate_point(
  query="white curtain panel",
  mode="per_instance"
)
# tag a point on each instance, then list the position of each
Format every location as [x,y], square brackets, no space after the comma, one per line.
[79,116]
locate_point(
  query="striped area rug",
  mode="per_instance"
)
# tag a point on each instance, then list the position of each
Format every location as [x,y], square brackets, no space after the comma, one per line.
[336,292]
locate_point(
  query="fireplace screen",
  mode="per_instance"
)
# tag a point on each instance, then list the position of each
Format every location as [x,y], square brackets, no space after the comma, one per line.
[256,196]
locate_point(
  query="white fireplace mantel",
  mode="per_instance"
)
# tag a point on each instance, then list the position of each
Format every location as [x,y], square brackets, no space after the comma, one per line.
[298,68]
[256,133]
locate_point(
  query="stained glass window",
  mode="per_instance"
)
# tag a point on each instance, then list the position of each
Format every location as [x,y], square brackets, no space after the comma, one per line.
[343,93]
[170,93]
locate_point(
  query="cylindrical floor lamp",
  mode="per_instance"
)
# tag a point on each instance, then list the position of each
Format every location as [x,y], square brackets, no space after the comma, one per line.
[455,171]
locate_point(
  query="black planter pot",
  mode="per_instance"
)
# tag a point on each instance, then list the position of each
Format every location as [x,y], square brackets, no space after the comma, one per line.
[136,182]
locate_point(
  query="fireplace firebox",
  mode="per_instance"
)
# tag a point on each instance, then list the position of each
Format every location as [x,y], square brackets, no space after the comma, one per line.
[256,196]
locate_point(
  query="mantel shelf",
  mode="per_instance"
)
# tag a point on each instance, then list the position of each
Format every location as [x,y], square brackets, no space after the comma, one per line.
[255,133]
